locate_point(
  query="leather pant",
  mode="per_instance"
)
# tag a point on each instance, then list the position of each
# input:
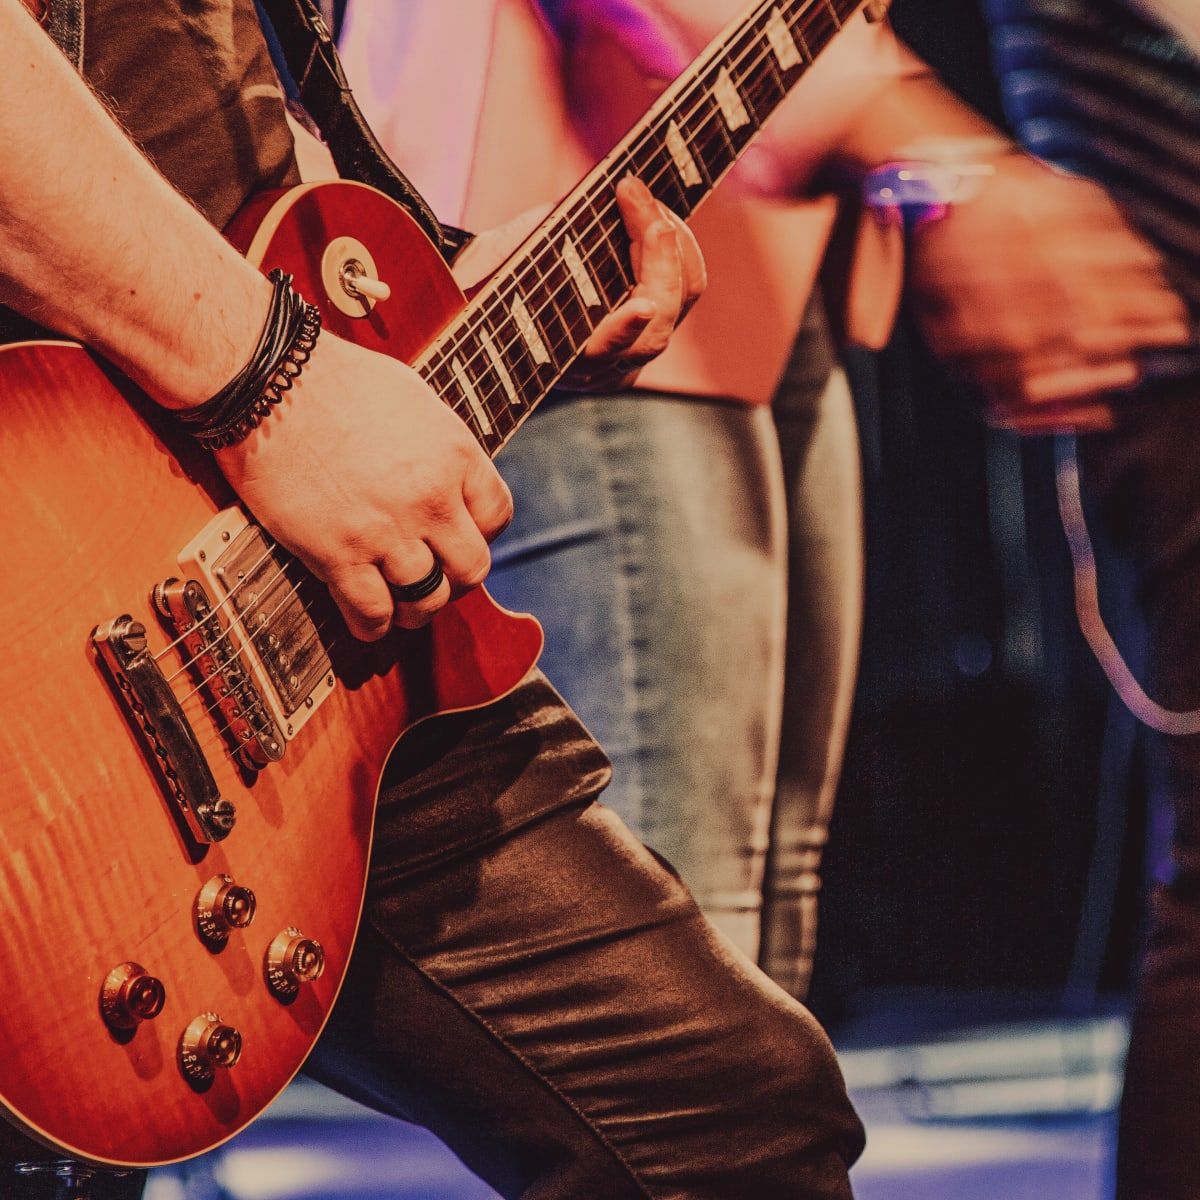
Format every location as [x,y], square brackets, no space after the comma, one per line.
[541,991]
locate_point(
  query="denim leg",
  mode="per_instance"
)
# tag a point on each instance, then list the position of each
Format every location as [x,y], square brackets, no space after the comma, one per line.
[818,437]
[649,540]
[1144,482]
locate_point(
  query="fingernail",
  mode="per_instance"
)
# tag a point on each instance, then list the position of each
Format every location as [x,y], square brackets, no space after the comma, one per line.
[644,310]
[643,192]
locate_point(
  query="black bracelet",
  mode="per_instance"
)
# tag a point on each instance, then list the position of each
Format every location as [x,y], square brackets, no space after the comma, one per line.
[287,342]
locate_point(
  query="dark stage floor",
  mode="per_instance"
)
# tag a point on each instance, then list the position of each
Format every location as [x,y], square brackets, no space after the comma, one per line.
[1021,1110]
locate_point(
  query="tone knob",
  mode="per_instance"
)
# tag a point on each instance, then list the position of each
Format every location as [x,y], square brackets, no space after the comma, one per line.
[131,995]
[208,1045]
[293,959]
[223,906]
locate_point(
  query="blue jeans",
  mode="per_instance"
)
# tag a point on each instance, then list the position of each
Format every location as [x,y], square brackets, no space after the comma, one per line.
[651,540]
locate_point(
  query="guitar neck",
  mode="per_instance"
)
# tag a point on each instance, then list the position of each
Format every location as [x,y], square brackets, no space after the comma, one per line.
[502,355]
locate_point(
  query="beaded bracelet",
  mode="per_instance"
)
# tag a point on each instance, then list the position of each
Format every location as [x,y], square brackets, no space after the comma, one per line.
[286,343]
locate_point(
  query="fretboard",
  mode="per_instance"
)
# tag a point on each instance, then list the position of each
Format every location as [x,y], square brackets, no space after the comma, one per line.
[501,356]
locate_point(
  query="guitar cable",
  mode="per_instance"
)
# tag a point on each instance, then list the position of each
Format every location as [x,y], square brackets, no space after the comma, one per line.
[1175,723]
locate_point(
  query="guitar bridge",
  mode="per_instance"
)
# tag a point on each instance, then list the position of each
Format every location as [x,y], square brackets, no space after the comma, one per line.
[168,735]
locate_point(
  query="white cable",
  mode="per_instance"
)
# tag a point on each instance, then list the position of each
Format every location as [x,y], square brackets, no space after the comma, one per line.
[1087,604]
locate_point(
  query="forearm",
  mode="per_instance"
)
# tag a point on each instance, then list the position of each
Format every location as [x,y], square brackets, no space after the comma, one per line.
[96,244]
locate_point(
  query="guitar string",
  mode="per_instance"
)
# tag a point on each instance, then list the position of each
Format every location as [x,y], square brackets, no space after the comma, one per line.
[759,53]
[246,636]
[477,320]
[701,143]
[228,599]
[198,625]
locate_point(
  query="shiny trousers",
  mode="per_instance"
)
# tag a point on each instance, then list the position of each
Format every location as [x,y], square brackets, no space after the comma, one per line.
[543,993]
[1143,482]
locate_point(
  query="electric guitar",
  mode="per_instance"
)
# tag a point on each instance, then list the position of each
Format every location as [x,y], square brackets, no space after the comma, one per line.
[191,742]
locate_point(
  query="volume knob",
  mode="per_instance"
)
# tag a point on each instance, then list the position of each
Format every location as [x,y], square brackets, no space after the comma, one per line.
[223,906]
[293,959]
[207,1045]
[131,995]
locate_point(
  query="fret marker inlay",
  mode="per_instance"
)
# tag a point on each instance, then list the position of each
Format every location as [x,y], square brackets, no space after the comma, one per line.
[498,365]
[468,389]
[782,43]
[579,273]
[730,101]
[529,331]
[682,156]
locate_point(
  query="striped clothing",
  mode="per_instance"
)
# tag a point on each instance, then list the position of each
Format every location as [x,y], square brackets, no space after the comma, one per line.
[1099,88]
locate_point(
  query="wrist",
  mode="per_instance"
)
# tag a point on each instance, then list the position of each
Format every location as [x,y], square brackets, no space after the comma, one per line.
[933,176]
[283,349]
[212,340]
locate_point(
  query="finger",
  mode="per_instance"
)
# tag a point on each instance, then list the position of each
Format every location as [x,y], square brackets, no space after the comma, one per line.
[487,498]
[1088,418]
[657,259]
[363,598]
[461,549]
[639,209]
[695,273]
[620,330]
[1080,382]
[1175,331]
[406,566]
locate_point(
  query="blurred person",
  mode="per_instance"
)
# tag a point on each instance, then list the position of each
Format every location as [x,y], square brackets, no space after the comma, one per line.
[653,525]
[631,1054]
[1110,89]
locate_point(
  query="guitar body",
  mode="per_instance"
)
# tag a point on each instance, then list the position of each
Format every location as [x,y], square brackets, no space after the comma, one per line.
[101,496]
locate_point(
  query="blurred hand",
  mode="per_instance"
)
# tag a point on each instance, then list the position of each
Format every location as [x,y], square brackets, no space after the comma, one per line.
[1038,290]
[667,265]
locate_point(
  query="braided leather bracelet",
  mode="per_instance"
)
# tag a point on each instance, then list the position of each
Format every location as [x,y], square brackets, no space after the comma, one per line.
[286,343]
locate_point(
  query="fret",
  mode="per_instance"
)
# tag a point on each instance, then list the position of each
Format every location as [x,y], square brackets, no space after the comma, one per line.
[804,47]
[680,150]
[575,314]
[783,43]
[545,304]
[476,403]
[528,329]
[585,285]
[499,367]
[729,101]
[710,139]
[833,12]
[515,352]
[489,394]
[608,251]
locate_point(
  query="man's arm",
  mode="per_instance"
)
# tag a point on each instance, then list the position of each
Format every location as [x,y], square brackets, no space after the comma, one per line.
[362,471]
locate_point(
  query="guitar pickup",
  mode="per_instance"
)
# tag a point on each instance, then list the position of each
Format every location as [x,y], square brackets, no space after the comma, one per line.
[258,586]
[156,712]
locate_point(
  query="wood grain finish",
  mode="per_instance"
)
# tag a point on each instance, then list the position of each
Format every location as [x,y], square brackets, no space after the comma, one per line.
[99,499]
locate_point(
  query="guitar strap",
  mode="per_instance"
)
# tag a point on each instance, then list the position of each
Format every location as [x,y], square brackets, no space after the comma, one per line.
[312,61]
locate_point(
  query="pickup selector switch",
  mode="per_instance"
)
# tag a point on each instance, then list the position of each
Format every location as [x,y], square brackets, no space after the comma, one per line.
[221,907]
[293,959]
[131,995]
[208,1045]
